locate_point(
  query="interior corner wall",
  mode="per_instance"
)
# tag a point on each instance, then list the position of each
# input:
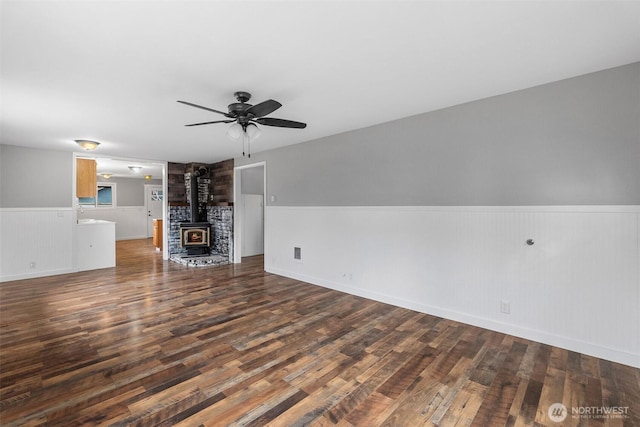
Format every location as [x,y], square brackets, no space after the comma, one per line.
[432,212]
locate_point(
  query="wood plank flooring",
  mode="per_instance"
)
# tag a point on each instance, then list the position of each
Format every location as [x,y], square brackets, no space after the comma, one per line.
[151,342]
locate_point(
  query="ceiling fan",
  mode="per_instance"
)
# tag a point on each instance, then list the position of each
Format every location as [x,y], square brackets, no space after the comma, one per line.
[244,117]
[245,114]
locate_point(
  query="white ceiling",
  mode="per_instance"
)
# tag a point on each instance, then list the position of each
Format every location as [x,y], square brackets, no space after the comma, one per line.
[112,71]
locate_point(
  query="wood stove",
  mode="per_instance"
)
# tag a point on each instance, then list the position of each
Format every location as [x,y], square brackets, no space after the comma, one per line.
[195,237]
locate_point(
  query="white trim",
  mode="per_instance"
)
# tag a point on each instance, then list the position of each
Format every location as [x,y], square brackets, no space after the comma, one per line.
[47,273]
[165,210]
[75,206]
[237,217]
[537,209]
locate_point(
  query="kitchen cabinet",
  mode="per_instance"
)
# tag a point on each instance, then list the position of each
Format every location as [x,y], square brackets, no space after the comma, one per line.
[96,244]
[86,178]
[157,234]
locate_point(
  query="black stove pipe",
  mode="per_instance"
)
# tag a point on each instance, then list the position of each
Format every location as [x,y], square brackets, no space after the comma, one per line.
[195,202]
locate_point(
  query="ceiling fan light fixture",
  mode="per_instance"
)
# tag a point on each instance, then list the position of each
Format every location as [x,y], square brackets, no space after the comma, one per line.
[86,144]
[235,131]
[253,131]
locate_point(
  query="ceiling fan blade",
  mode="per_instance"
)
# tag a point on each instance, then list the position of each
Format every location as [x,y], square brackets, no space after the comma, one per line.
[208,123]
[281,123]
[263,108]
[205,108]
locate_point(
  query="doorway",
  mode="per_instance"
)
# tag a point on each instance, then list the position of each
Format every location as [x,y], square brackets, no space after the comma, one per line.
[153,199]
[249,218]
[252,212]
[131,214]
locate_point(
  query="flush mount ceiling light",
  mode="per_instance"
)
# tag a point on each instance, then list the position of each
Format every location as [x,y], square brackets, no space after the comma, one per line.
[148,177]
[86,144]
[135,169]
[106,175]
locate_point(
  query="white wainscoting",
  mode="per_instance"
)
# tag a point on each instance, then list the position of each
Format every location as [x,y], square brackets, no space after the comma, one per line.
[36,242]
[131,221]
[576,287]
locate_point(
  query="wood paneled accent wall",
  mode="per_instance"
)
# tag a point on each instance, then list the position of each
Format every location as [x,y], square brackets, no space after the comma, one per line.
[222,182]
[176,189]
[221,186]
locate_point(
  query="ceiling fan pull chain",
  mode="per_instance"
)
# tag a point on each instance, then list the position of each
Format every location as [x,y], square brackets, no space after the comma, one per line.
[244,135]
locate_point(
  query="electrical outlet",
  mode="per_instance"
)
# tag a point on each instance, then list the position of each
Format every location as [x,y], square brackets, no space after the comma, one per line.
[505,307]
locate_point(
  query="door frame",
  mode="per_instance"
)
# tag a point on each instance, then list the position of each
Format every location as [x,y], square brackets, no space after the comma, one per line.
[237,215]
[147,188]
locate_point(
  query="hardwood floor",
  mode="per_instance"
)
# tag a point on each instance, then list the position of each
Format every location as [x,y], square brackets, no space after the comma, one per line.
[151,342]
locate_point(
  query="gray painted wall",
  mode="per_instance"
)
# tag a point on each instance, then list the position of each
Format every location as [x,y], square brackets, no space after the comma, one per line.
[252,180]
[572,142]
[34,178]
[130,191]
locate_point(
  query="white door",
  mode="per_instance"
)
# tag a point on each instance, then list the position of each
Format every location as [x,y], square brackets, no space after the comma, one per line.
[252,225]
[153,203]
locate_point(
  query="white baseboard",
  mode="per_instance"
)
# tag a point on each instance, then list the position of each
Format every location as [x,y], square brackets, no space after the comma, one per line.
[505,328]
[577,286]
[43,273]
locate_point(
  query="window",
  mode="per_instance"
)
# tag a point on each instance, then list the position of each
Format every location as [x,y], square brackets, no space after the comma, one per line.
[106,197]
